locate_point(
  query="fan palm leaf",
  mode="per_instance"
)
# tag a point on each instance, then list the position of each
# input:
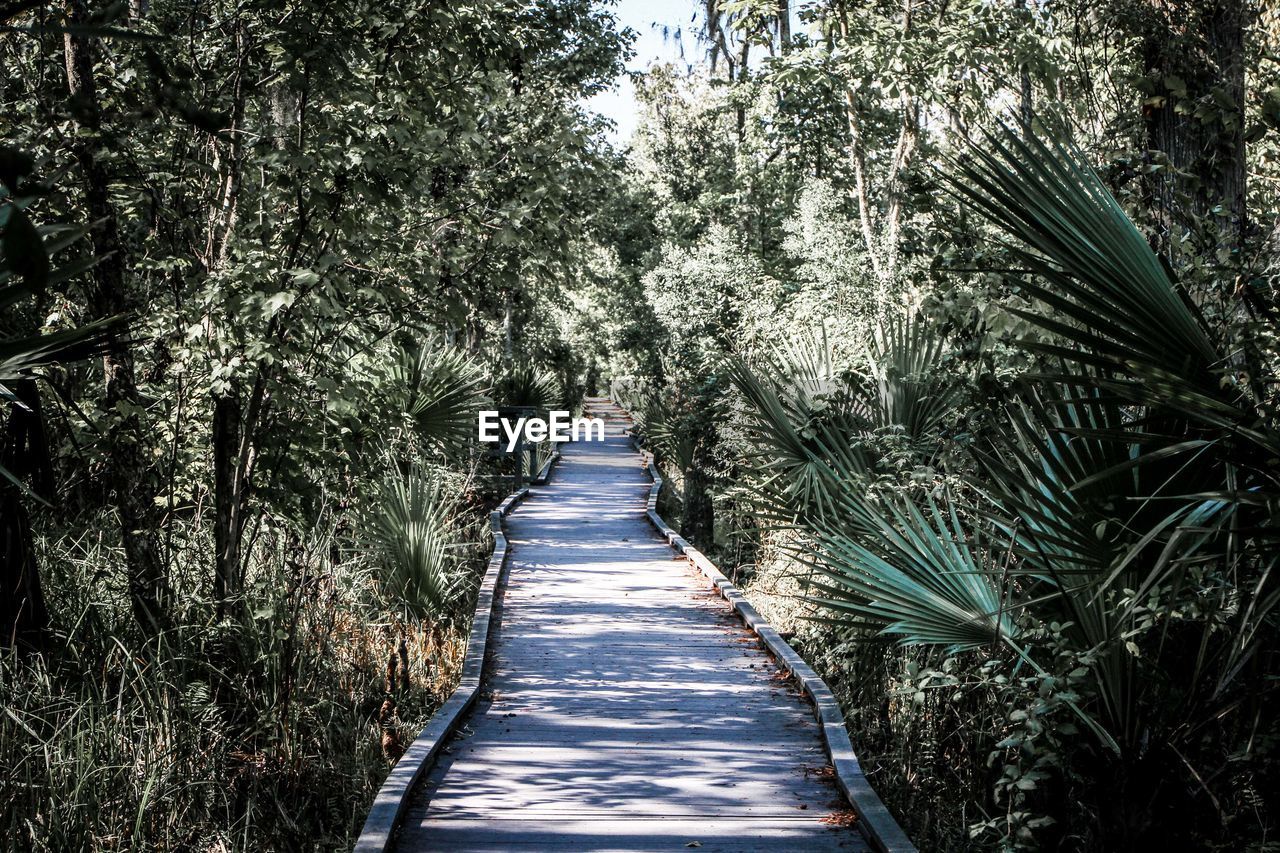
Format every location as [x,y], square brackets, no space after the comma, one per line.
[1089,261]
[526,385]
[797,452]
[1124,476]
[668,436]
[411,525]
[1119,319]
[921,579]
[909,390]
[812,425]
[20,357]
[440,390]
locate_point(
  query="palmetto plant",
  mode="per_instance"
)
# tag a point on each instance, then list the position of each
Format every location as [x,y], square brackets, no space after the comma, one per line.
[1153,463]
[904,387]
[912,572]
[412,524]
[667,433]
[814,420]
[794,396]
[526,385]
[440,390]
[1126,496]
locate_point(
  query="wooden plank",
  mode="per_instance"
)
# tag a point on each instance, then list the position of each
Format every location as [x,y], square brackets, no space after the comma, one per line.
[736,834]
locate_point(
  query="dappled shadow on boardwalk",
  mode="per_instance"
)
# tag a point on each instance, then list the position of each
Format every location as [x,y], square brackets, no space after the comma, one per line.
[626,708]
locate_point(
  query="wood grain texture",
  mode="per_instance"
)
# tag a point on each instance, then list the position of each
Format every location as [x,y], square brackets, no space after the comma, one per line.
[625,705]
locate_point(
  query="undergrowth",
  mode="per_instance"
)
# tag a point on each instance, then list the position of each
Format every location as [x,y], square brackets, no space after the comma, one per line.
[269,730]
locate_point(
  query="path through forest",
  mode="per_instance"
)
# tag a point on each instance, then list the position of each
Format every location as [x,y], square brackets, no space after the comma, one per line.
[626,707]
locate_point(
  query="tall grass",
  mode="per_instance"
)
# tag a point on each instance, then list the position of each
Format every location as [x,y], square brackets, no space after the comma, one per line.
[261,733]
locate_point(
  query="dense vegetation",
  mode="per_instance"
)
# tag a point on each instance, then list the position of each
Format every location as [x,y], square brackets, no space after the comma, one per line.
[959,338]
[953,324]
[262,265]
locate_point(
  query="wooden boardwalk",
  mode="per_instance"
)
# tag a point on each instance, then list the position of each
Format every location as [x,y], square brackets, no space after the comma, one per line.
[625,706]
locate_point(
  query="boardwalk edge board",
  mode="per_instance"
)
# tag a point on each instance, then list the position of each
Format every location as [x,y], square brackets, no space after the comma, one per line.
[874,820]
[389,806]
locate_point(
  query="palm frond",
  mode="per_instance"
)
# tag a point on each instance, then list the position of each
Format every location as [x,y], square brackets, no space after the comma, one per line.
[411,526]
[1117,317]
[672,439]
[1088,260]
[440,390]
[806,435]
[909,389]
[526,385]
[921,579]
[20,357]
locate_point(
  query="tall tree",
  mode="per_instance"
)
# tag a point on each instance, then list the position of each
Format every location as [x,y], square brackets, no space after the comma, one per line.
[130,476]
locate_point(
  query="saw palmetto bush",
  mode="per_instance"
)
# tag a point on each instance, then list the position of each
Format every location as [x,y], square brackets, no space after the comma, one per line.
[1140,471]
[413,524]
[440,390]
[1109,527]
[528,385]
[667,431]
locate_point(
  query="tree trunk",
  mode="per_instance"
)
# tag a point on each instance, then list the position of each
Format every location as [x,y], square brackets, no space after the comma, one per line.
[1194,56]
[508,331]
[235,432]
[228,429]
[24,619]
[903,154]
[227,526]
[857,160]
[127,436]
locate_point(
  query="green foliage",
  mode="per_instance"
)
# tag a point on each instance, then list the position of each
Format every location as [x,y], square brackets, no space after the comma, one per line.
[909,389]
[925,582]
[323,225]
[26,271]
[413,523]
[526,385]
[1091,264]
[440,390]
[958,389]
[1116,516]
[1029,434]
[222,728]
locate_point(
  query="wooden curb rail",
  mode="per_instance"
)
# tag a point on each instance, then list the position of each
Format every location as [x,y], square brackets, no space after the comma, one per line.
[874,820]
[378,833]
